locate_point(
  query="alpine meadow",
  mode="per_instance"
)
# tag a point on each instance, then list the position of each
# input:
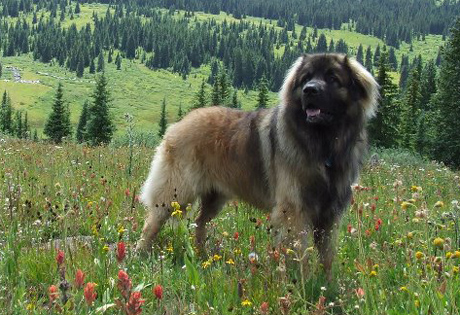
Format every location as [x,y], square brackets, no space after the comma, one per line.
[93,90]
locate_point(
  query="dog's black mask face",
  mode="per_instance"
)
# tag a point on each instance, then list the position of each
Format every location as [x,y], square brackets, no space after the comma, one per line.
[323,85]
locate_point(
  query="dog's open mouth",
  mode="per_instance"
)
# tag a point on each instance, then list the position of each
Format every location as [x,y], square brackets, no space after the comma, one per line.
[316,115]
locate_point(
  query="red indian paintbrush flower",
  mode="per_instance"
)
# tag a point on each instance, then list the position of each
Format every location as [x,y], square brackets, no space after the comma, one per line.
[236,236]
[89,293]
[133,307]
[121,251]
[158,291]
[124,283]
[79,278]
[264,308]
[53,293]
[60,257]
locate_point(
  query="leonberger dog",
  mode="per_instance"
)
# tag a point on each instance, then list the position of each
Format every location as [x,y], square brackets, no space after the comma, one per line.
[297,160]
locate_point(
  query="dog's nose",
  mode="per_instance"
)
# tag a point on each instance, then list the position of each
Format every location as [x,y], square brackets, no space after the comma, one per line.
[312,88]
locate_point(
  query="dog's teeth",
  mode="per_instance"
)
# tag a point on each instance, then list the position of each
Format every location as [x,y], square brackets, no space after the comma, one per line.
[313,112]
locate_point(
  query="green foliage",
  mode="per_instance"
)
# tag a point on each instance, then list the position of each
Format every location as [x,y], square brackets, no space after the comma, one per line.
[200,97]
[163,123]
[383,129]
[100,127]
[82,123]
[6,115]
[447,100]
[262,99]
[411,112]
[58,126]
[100,62]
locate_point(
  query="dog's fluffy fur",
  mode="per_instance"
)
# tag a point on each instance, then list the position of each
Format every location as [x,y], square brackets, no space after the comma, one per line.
[289,159]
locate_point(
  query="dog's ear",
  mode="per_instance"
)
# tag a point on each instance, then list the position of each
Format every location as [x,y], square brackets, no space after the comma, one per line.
[290,81]
[364,88]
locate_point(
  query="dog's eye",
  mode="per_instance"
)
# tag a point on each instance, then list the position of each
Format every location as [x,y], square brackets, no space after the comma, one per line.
[332,79]
[307,78]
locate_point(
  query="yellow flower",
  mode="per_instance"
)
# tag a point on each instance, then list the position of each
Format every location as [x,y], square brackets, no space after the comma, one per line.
[373,273]
[246,303]
[225,234]
[416,188]
[403,288]
[175,205]
[121,230]
[410,235]
[170,248]
[417,303]
[310,249]
[457,254]
[375,267]
[205,264]
[105,248]
[177,213]
[30,307]
[237,251]
[448,255]
[230,262]
[412,200]
[405,205]
[438,242]
[216,257]
[419,255]
[439,204]
[455,270]
[289,251]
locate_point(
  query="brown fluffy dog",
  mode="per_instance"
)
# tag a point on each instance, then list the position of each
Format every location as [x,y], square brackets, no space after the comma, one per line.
[297,160]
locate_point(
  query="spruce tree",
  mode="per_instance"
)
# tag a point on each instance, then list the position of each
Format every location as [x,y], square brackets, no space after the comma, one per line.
[100,127]
[26,127]
[118,61]
[110,56]
[92,66]
[18,131]
[200,97]
[180,112]
[224,87]
[262,98]
[163,123]
[448,101]
[6,115]
[411,112]
[100,62]
[368,61]
[35,137]
[58,124]
[77,8]
[427,84]
[360,54]
[235,102]
[215,94]
[1,69]
[82,123]
[383,129]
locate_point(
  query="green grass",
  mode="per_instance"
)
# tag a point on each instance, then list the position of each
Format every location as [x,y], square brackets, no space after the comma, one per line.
[70,192]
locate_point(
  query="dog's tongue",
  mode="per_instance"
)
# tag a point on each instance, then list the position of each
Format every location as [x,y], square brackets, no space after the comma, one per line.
[313,112]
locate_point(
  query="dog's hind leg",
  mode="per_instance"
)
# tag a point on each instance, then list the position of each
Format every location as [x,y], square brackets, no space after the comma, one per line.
[211,204]
[324,238]
[153,223]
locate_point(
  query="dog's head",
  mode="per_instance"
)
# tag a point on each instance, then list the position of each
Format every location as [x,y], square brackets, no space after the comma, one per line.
[326,88]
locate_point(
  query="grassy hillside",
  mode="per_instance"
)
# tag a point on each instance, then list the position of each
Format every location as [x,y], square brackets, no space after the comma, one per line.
[399,250]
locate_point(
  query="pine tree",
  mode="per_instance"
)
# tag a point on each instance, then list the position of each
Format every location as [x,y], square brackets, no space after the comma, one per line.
[92,66]
[427,84]
[26,127]
[80,66]
[224,87]
[377,55]
[35,138]
[18,132]
[118,61]
[77,8]
[110,56]
[215,94]
[360,54]
[368,61]
[58,126]
[200,97]
[6,115]
[163,123]
[82,123]
[448,101]
[180,112]
[321,45]
[100,127]
[1,69]
[411,111]
[100,62]
[235,102]
[383,129]
[393,61]
[262,98]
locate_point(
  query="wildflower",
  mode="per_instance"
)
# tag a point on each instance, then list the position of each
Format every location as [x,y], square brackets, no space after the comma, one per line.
[439,204]
[121,230]
[359,292]
[79,278]
[448,255]
[225,234]
[252,240]
[177,213]
[373,273]
[175,205]
[206,264]
[438,242]
[127,192]
[246,303]
[405,205]
[264,308]
[455,270]
[237,251]
[53,293]
[368,232]
[419,255]
[253,257]
[417,303]
[410,235]
[403,288]
[236,236]
[416,188]
[158,291]
[60,258]
[457,254]
[310,249]
[124,283]
[216,257]
[378,223]
[121,251]
[89,293]
[289,251]
[170,248]
[133,307]
[105,248]
[230,262]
